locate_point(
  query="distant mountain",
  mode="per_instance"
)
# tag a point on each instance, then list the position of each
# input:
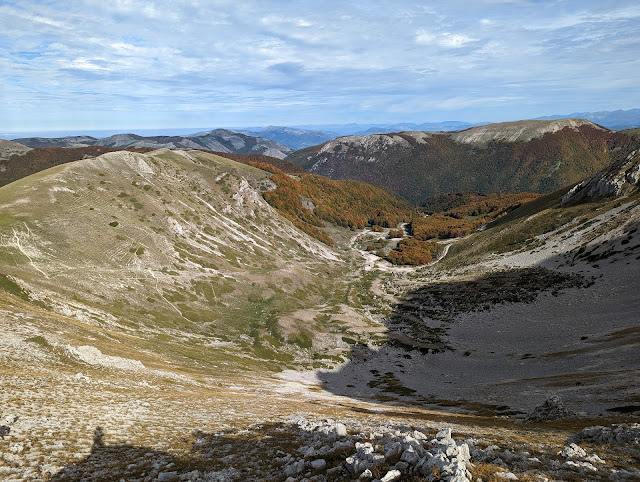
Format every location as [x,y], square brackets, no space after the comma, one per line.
[8,149]
[617,120]
[524,156]
[292,137]
[446,126]
[221,140]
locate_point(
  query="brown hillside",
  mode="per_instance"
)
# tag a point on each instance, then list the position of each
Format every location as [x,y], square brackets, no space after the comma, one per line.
[281,164]
[418,165]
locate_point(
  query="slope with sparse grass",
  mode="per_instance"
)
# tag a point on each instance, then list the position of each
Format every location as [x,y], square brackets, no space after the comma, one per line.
[175,249]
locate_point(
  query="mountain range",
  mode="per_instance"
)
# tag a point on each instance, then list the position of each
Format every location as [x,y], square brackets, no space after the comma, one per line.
[524,156]
[221,140]
[615,120]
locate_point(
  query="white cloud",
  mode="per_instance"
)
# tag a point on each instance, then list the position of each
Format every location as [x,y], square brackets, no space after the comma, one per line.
[445,39]
[88,64]
[253,56]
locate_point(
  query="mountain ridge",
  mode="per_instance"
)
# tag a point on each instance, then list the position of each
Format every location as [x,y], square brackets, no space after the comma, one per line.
[616,120]
[523,156]
[222,140]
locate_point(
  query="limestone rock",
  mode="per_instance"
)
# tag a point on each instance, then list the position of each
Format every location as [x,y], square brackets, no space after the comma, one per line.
[573,451]
[551,409]
[392,476]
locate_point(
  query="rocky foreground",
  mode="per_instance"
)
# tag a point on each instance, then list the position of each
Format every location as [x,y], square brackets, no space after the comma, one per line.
[314,450]
[222,436]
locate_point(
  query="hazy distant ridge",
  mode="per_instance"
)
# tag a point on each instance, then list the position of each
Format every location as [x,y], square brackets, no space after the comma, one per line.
[221,140]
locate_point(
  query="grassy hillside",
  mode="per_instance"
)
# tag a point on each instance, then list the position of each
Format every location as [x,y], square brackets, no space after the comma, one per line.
[22,165]
[419,165]
[175,254]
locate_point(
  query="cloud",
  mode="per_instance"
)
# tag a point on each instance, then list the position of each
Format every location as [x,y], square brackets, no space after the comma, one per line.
[328,60]
[445,39]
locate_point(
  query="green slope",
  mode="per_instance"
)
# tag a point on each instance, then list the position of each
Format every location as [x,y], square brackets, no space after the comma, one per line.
[177,250]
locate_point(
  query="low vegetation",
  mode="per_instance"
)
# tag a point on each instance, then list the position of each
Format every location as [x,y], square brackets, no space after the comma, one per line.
[413,252]
[439,164]
[458,214]
[310,200]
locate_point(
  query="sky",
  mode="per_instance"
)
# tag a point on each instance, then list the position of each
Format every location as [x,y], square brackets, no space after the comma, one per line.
[91,64]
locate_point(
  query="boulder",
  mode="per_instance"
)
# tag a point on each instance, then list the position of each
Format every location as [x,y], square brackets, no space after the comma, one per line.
[551,409]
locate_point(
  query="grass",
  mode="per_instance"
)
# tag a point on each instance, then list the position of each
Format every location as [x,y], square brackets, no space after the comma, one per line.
[389,383]
[10,286]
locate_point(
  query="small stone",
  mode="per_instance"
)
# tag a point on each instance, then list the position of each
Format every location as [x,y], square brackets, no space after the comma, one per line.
[318,464]
[410,456]
[392,476]
[193,475]
[367,474]
[506,475]
[580,466]
[168,477]
[573,451]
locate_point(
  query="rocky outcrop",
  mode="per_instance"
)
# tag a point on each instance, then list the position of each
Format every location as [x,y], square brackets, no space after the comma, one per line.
[551,409]
[619,179]
[619,434]
[393,453]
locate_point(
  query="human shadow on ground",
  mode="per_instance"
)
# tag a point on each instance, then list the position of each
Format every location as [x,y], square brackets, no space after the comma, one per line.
[269,452]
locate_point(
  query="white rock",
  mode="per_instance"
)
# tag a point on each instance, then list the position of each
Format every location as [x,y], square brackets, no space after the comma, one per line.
[366,474]
[419,435]
[506,475]
[581,466]
[573,451]
[392,476]
[341,430]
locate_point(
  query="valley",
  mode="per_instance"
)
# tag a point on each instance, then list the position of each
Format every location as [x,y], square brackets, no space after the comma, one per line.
[162,321]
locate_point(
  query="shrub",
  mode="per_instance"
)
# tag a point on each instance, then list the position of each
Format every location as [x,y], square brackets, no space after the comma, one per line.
[413,252]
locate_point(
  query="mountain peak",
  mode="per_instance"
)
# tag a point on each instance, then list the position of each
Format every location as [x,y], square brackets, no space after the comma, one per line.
[517,131]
